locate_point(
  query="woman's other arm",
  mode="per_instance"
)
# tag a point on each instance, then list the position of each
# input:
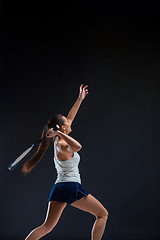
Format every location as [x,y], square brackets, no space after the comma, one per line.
[82,94]
[74,145]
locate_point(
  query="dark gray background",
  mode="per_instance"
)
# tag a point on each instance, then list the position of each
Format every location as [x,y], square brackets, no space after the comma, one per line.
[48,51]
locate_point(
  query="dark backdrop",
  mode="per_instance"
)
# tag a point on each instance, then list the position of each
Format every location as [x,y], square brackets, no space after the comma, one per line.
[47,52]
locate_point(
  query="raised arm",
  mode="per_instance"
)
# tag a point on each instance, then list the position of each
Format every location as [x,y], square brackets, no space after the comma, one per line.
[83,91]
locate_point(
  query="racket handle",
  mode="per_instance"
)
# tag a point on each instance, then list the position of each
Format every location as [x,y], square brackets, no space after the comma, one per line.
[56,128]
[42,139]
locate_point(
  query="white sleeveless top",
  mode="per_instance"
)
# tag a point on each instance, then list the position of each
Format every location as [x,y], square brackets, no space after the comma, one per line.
[67,171]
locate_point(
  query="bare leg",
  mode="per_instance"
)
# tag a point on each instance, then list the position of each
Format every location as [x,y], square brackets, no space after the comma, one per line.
[92,205]
[54,212]
[98,228]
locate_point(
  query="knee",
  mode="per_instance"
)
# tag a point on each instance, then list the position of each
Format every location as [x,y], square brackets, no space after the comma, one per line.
[104,214]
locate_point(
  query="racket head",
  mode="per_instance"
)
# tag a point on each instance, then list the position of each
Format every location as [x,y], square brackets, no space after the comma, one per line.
[20,158]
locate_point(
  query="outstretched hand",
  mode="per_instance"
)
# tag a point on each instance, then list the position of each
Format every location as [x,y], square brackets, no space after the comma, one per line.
[83,91]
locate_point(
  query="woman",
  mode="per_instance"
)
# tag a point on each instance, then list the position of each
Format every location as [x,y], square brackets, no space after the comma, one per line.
[67,188]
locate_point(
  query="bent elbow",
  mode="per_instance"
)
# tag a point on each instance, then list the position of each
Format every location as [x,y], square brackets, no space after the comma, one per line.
[79,148]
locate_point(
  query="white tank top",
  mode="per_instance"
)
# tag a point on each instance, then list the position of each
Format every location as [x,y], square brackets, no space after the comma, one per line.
[67,171]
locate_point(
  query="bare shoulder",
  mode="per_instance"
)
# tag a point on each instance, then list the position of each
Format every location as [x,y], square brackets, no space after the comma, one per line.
[64,152]
[62,146]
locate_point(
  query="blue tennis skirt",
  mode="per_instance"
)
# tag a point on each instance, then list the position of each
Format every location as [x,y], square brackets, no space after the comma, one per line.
[68,192]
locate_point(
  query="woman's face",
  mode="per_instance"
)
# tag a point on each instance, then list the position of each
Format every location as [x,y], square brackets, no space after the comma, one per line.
[67,125]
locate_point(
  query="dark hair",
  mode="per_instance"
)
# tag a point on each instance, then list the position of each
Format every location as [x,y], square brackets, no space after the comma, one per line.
[31,163]
[55,120]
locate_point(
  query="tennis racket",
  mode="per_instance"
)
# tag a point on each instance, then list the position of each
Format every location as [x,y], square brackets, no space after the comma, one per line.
[28,151]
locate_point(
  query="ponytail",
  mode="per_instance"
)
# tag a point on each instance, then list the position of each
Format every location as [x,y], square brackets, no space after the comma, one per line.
[31,163]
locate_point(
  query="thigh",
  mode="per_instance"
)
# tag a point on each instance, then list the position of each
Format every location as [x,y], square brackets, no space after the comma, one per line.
[92,205]
[54,212]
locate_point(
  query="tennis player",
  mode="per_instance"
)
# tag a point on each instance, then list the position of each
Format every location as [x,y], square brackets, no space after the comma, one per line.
[67,188]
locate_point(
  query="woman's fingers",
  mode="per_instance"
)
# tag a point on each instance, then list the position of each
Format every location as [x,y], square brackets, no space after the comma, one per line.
[85,86]
[50,131]
[83,91]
